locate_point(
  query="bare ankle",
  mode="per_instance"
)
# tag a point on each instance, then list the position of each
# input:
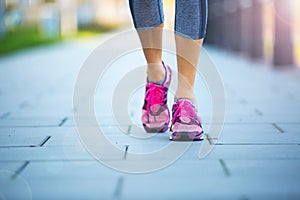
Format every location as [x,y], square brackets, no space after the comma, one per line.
[155,72]
[185,94]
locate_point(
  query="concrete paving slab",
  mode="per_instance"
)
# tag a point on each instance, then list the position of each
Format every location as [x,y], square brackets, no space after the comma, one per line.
[269,177]
[257,134]
[255,152]
[32,122]
[257,156]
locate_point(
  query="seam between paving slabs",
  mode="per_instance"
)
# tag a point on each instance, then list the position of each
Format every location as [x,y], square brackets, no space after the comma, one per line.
[119,188]
[224,167]
[42,143]
[63,121]
[278,128]
[4,115]
[125,152]
[20,169]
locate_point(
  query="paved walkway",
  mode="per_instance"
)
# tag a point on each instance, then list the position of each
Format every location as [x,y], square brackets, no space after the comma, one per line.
[256,157]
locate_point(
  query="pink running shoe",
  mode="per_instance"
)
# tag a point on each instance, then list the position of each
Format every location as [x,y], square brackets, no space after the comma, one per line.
[186,125]
[155,113]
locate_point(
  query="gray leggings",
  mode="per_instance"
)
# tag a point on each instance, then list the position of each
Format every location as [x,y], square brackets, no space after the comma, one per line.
[190,16]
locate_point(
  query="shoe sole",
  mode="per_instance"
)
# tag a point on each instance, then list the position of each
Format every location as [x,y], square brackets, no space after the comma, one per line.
[156,129]
[187,136]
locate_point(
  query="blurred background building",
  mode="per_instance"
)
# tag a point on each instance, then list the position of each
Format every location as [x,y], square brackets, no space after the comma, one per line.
[62,16]
[266,30]
[262,29]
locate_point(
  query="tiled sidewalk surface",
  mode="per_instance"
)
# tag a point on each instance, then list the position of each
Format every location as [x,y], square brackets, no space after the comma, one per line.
[41,156]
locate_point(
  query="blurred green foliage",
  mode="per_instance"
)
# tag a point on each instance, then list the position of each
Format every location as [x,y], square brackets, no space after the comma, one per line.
[23,37]
[95,28]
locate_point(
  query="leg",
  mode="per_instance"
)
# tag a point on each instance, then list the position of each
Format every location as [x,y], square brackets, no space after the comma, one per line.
[151,41]
[190,27]
[187,58]
[148,20]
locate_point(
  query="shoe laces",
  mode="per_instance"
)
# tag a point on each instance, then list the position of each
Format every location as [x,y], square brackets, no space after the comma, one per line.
[155,94]
[184,108]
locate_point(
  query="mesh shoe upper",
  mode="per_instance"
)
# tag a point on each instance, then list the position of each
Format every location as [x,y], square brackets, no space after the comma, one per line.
[185,121]
[155,113]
